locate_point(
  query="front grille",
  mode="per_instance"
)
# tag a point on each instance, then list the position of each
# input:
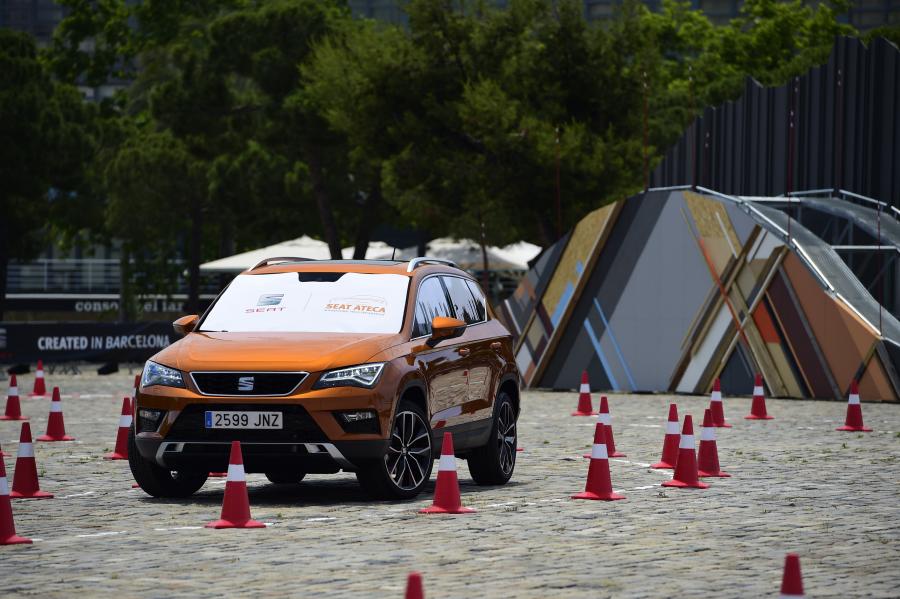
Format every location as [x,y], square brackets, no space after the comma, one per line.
[247,384]
[299,426]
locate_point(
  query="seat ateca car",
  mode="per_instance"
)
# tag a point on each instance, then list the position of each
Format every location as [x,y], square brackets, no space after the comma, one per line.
[322,366]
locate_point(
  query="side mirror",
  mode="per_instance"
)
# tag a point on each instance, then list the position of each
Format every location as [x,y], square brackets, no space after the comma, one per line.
[444,327]
[185,324]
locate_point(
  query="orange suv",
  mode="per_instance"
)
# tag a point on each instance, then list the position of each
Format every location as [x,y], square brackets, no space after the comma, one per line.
[321,366]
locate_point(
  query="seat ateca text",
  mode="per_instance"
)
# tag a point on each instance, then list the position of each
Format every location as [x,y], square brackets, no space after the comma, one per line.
[322,366]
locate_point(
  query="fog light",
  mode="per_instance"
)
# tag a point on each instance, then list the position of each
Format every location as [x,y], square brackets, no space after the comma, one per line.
[359,421]
[148,419]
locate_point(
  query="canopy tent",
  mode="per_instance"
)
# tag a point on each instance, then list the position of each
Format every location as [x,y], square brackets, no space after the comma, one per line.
[302,247]
[466,253]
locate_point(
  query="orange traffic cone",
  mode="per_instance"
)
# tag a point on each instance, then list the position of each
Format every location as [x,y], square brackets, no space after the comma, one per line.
[670,442]
[791,580]
[446,489]
[8,534]
[56,427]
[414,586]
[236,503]
[854,420]
[39,388]
[686,467]
[121,451]
[716,407]
[604,417]
[708,454]
[599,485]
[13,409]
[758,407]
[25,479]
[584,398]
[2,455]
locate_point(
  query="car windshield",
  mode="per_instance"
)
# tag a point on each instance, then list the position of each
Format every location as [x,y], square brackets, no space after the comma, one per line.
[311,302]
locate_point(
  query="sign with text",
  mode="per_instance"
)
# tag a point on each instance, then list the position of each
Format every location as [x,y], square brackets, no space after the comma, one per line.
[83,341]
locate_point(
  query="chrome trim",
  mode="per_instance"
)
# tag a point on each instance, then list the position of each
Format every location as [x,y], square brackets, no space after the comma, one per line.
[312,448]
[197,387]
[423,259]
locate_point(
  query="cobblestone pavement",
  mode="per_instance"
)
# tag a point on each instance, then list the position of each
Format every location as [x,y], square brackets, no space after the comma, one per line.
[797,486]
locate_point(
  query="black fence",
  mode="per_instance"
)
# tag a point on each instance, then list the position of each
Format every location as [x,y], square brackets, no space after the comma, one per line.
[836,127]
[82,341]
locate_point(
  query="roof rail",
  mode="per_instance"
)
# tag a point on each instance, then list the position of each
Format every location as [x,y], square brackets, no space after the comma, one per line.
[423,259]
[270,261]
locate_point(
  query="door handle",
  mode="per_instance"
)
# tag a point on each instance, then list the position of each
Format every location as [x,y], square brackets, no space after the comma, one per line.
[464,351]
[496,346]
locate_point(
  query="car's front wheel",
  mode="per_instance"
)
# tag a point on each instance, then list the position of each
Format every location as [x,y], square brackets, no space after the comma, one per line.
[158,481]
[406,466]
[494,462]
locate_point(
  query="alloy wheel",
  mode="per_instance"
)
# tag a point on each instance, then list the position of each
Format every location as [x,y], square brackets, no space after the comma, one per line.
[506,438]
[408,455]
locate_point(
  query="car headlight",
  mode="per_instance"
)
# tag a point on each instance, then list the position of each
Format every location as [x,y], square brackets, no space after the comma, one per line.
[365,375]
[157,374]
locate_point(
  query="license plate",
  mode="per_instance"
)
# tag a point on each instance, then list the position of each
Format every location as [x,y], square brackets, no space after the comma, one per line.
[243,420]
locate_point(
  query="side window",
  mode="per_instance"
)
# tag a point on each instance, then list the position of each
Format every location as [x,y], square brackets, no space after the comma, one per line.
[431,301]
[480,308]
[464,305]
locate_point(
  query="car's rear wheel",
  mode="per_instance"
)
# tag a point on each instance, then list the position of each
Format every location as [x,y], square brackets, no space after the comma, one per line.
[285,478]
[494,462]
[158,481]
[406,466]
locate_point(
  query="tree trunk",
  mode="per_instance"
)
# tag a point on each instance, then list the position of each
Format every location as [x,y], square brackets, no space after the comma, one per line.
[127,311]
[326,215]
[193,302]
[367,221]
[548,238]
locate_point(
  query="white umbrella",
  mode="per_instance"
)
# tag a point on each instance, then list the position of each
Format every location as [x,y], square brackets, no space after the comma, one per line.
[302,247]
[466,253]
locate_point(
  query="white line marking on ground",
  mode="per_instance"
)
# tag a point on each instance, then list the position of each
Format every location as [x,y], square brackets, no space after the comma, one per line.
[102,534]
[502,504]
[178,528]
[77,495]
[323,519]
[644,488]
[645,425]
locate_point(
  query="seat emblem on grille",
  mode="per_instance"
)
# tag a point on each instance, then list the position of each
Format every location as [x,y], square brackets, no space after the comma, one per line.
[245,383]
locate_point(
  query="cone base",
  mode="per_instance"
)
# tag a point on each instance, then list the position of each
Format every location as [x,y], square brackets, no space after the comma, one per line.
[33,394]
[683,485]
[584,413]
[662,466]
[115,456]
[218,474]
[49,438]
[435,509]
[520,449]
[35,495]
[618,454]
[135,486]
[4,417]
[723,425]
[229,524]
[755,417]
[15,540]
[854,429]
[598,497]
[719,474]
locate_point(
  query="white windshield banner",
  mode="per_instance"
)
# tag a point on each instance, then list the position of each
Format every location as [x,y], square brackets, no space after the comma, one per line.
[354,303]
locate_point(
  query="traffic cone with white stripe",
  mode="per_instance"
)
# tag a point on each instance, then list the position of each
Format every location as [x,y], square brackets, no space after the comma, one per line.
[8,534]
[13,409]
[56,426]
[584,398]
[414,586]
[236,503]
[791,580]
[2,455]
[854,420]
[686,475]
[121,451]
[670,443]
[716,406]
[604,417]
[39,389]
[758,407]
[599,485]
[25,478]
[708,454]
[446,489]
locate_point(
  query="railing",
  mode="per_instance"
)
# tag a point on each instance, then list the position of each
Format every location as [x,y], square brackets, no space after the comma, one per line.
[81,275]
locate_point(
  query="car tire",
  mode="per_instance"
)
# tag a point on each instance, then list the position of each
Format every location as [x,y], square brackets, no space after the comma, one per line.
[494,462]
[285,478]
[405,468]
[158,481]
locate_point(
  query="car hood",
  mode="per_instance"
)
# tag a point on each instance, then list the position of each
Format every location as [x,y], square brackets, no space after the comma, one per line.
[310,352]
